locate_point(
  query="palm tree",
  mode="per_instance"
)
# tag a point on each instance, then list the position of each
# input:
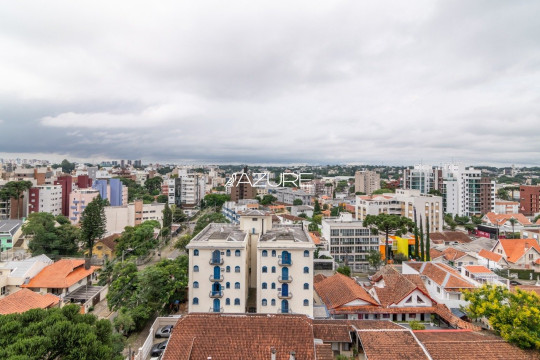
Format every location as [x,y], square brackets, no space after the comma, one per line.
[513,222]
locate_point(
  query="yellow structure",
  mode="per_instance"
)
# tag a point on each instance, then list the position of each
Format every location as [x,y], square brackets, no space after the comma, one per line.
[104,248]
[401,245]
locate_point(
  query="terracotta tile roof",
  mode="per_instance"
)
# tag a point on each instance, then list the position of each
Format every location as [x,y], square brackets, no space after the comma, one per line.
[318,277]
[228,336]
[291,217]
[501,219]
[516,248]
[477,269]
[110,241]
[316,239]
[324,352]
[391,345]
[339,289]
[452,254]
[62,274]
[396,285]
[333,332]
[434,253]
[360,324]
[490,255]
[469,345]
[444,276]
[24,300]
[449,236]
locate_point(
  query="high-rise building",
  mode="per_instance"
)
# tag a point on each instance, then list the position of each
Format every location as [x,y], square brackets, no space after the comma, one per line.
[529,200]
[66,181]
[241,187]
[254,267]
[421,177]
[78,200]
[45,198]
[366,181]
[112,190]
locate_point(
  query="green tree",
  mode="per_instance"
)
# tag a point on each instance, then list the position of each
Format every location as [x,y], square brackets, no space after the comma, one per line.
[67,167]
[513,222]
[416,241]
[422,250]
[316,208]
[313,226]
[297,202]
[400,257]
[93,223]
[216,200]
[428,242]
[15,190]
[345,270]
[267,199]
[58,334]
[449,220]
[178,215]
[162,199]
[206,219]
[153,184]
[49,237]
[536,219]
[138,240]
[435,192]
[317,219]
[387,224]
[167,217]
[383,191]
[502,194]
[375,259]
[183,241]
[515,316]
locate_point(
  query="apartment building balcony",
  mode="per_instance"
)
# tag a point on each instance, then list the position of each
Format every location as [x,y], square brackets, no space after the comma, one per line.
[216,294]
[285,262]
[214,261]
[220,310]
[285,279]
[216,279]
[284,296]
[285,311]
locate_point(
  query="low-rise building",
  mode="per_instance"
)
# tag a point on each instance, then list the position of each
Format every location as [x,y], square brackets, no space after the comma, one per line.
[15,273]
[492,260]
[506,207]
[289,195]
[118,217]
[45,198]
[10,231]
[24,300]
[519,253]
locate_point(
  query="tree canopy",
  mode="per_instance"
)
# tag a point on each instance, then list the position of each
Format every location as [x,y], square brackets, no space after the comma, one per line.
[93,223]
[139,238]
[153,185]
[58,334]
[515,315]
[216,200]
[387,224]
[206,219]
[49,237]
[15,190]
[267,199]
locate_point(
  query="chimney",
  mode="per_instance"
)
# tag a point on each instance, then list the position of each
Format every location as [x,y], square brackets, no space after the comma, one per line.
[272,353]
[87,263]
[292,355]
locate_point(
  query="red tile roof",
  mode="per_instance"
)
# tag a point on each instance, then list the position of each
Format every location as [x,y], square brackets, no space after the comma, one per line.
[339,290]
[443,275]
[516,248]
[391,345]
[24,300]
[324,352]
[469,345]
[452,254]
[62,274]
[500,219]
[231,336]
[490,255]
[110,241]
[332,332]
[477,269]
[396,286]
[449,236]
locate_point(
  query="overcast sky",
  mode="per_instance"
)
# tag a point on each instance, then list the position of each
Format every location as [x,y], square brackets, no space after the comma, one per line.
[272,82]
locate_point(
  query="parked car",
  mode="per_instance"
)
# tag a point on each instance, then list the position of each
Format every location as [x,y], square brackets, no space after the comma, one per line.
[514,282]
[159,348]
[164,332]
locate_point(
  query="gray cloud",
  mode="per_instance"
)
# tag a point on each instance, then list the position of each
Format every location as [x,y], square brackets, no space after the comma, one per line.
[385,82]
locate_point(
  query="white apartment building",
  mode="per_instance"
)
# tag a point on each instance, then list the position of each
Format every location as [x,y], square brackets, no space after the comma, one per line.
[403,203]
[367,181]
[45,198]
[288,196]
[254,266]
[421,177]
[232,209]
[15,273]
[135,213]
[349,241]
[192,189]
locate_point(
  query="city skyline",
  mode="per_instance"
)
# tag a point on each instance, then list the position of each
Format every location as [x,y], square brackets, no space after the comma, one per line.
[240,82]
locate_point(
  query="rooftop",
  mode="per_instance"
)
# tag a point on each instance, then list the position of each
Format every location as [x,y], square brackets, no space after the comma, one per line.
[20,267]
[10,226]
[516,248]
[296,233]
[223,232]
[62,274]
[442,274]
[24,300]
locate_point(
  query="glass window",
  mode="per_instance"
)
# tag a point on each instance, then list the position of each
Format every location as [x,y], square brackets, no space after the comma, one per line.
[306,286]
[306,302]
[195,301]
[306,270]
[227,301]
[237,301]
[237,285]
[196,268]
[273,285]
[228,254]
[237,269]
[273,253]
[196,285]
[264,269]
[264,253]
[228,285]
[274,269]
[228,269]
[195,252]
[306,253]
[264,285]
[237,253]
[264,302]
[273,302]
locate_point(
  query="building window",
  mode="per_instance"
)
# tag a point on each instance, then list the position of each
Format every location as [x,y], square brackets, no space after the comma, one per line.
[306,270]
[195,301]
[227,301]
[237,253]
[264,285]
[264,302]
[306,286]
[196,252]
[273,253]
[306,302]
[273,269]
[228,252]
[237,285]
[196,285]
[228,285]
[264,253]
[196,268]
[237,301]
[264,269]
[228,269]
[306,253]
[438,289]
[273,285]
[237,269]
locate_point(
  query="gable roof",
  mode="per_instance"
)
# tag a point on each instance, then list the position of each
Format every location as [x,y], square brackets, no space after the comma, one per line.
[396,285]
[452,254]
[62,274]
[478,269]
[516,248]
[469,345]
[449,236]
[339,290]
[443,275]
[240,336]
[490,255]
[24,300]
[110,241]
[391,344]
[501,219]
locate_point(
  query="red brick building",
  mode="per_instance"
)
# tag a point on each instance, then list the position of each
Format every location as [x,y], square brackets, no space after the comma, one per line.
[529,200]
